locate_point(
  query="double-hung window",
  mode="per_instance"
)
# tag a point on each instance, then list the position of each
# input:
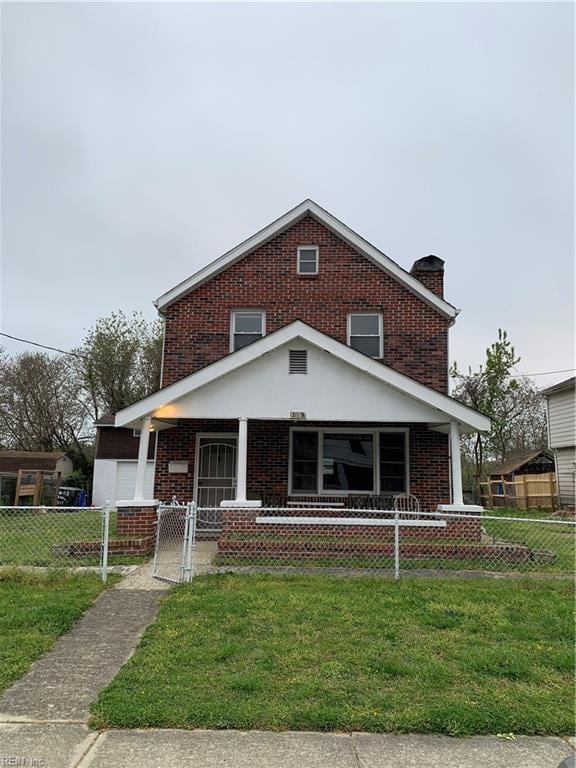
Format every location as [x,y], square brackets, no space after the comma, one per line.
[333,461]
[307,260]
[365,334]
[247,325]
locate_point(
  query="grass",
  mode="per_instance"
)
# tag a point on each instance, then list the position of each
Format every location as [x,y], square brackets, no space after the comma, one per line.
[319,653]
[29,537]
[559,539]
[35,609]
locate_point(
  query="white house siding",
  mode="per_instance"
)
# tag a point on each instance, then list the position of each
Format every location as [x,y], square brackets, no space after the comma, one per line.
[562,438]
[566,475]
[562,418]
[115,480]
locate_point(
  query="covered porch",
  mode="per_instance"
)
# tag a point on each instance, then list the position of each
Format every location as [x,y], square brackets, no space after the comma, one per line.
[298,417]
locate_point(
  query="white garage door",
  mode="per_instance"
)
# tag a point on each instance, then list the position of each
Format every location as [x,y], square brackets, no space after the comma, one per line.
[126,480]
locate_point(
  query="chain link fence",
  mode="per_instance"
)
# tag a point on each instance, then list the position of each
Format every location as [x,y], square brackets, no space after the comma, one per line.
[391,543]
[56,537]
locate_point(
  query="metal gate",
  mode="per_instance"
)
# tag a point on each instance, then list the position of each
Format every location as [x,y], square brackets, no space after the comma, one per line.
[216,481]
[175,536]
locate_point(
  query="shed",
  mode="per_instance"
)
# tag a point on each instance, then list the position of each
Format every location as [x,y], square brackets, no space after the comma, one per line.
[32,474]
[523,481]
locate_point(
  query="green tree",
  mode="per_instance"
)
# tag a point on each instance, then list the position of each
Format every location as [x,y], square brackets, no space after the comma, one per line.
[119,361]
[513,403]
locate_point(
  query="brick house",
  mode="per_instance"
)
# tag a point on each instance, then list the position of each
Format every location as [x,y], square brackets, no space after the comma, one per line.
[303,365]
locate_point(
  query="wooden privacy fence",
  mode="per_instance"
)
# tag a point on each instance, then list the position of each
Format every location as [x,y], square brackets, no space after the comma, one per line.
[524,492]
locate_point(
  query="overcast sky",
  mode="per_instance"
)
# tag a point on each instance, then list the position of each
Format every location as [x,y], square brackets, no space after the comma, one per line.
[140,141]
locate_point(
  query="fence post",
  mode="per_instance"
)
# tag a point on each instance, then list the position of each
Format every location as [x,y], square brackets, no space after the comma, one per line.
[105,536]
[189,541]
[159,517]
[396,547]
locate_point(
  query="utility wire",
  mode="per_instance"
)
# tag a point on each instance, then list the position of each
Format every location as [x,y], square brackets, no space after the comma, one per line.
[44,346]
[545,373]
[84,357]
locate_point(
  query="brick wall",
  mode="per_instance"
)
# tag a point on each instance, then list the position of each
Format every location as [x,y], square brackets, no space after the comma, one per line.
[268,447]
[120,443]
[198,324]
[137,522]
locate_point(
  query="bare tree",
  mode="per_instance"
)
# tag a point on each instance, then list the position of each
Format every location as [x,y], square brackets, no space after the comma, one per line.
[42,406]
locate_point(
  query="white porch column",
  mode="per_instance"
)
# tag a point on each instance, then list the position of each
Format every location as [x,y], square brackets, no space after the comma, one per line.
[145,425]
[242,459]
[456,464]
[241,469]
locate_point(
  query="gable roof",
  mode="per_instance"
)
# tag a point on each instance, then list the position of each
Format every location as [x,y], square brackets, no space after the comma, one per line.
[448,408]
[516,462]
[310,208]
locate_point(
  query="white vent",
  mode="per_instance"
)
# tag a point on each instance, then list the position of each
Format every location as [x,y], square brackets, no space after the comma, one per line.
[298,361]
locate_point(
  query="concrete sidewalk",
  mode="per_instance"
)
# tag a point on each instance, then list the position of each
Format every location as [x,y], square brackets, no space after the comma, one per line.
[74,746]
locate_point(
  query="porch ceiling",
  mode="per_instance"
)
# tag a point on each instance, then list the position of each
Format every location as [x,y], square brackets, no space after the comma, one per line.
[341,385]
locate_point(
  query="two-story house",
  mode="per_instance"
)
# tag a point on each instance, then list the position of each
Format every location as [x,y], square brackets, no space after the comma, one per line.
[304,365]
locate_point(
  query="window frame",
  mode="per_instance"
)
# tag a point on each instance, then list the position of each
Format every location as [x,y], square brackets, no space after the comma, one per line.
[375,432]
[350,336]
[307,248]
[244,311]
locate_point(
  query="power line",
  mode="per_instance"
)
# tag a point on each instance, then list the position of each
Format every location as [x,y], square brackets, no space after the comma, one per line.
[546,373]
[84,357]
[44,346]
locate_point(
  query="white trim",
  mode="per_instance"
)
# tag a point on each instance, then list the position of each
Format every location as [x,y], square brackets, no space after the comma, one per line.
[448,408]
[366,336]
[353,521]
[244,311]
[308,248]
[375,432]
[305,208]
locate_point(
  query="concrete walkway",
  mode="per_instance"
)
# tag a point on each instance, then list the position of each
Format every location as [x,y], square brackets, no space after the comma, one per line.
[62,684]
[43,715]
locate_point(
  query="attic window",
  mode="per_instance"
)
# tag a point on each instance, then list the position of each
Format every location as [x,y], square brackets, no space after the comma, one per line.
[298,361]
[308,260]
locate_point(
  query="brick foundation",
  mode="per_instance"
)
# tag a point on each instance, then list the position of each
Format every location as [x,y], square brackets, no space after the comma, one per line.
[136,546]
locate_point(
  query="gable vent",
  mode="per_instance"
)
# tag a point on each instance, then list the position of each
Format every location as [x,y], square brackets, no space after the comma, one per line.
[298,361]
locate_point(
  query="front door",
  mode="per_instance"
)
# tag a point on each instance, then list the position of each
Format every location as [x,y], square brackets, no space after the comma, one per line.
[215,470]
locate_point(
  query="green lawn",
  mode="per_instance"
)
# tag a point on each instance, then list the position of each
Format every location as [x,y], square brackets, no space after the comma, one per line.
[558,539]
[34,610]
[320,653]
[30,537]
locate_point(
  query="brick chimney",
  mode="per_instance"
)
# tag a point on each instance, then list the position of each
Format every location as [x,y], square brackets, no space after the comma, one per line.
[430,272]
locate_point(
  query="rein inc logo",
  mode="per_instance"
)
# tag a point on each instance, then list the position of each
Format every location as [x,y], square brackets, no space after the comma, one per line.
[20,762]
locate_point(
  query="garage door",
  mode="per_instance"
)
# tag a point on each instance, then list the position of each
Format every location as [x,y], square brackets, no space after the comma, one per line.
[126,480]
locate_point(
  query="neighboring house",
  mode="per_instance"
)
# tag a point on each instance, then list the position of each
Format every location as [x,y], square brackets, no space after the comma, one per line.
[304,365]
[30,475]
[561,401]
[115,461]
